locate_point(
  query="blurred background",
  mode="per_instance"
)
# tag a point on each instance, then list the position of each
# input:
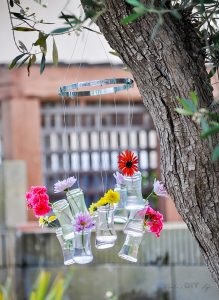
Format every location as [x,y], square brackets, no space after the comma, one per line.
[44,138]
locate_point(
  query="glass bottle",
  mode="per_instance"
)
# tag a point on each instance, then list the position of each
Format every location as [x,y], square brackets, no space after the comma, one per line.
[130,248]
[63,213]
[67,247]
[82,251]
[134,191]
[135,224]
[121,213]
[105,231]
[76,200]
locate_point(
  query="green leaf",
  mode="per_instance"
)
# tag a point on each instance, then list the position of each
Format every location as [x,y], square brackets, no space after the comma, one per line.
[215,154]
[19,16]
[212,72]
[183,112]
[210,131]
[194,98]
[187,105]
[15,60]
[204,124]
[41,41]
[22,46]
[135,3]
[23,61]
[42,63]
[66,18]
[55,53]
[21,28]
[61,30]
[114,53]
[130,18]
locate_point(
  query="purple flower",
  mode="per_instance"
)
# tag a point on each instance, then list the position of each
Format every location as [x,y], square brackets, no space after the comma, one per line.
[64,185]
[159,188]
[119,178]
[83,221]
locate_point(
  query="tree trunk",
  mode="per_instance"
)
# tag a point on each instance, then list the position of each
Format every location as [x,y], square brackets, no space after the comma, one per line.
[168,66]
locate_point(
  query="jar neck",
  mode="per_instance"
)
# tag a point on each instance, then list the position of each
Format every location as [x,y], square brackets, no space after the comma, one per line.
[59,205]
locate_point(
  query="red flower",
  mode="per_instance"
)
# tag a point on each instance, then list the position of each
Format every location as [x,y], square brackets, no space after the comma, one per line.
[38,200]
[128,163]
[41,209]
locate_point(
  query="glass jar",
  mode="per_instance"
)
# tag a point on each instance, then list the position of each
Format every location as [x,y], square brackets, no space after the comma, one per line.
[63,213]
[135,224]
[121,213]
[76,200]
[130,248]
[67,247]
[82,251]
[134,191]
[105,231]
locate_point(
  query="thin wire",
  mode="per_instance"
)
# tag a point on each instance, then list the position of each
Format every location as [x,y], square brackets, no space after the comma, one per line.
[100,140]
[65,139]
[66,144]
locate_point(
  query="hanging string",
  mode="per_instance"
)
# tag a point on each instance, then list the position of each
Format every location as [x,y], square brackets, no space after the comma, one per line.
[100,140]
[63,101]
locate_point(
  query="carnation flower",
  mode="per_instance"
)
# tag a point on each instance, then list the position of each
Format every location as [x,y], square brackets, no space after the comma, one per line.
[83,221]
[119,178]
[153,220]
[159,188]
[128,163]
[64,185]
[38,200]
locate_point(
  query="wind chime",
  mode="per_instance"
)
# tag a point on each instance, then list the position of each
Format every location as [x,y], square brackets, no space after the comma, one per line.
[124,204]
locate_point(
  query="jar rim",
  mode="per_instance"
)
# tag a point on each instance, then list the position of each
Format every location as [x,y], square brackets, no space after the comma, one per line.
[105,208]
[60,205]
[134,176]
[74,191]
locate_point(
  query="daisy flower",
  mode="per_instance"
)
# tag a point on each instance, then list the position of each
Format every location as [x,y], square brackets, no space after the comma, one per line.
[128,163]
[64,185]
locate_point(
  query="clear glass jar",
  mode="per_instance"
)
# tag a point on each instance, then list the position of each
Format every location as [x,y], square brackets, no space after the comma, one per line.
[135,224]
[105,231]
[63,213]
[82,251]
[130,248]
[76,200]
[121,213]
[67,247]
[134,191]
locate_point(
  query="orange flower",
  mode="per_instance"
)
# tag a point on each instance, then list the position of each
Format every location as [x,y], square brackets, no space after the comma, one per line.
[128,162]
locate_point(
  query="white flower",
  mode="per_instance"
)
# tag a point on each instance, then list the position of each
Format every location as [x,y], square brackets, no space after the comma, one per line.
[65,184]
[119,178]
[159,188]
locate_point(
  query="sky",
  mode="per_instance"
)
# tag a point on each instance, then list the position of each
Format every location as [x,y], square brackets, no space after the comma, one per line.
[88,47]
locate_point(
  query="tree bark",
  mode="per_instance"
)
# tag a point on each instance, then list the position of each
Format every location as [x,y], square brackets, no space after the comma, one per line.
[172,65]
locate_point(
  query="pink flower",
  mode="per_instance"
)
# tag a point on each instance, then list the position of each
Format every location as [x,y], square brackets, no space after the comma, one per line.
[153,220]
[119,178]
[38,200]
[159,188]
[83,221]
[41,209]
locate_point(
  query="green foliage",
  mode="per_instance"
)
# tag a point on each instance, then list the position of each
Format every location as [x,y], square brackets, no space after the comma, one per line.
[44,289]
[5,290]
[208,121]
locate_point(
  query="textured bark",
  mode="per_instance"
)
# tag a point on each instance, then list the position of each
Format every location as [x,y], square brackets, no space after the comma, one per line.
[171,65]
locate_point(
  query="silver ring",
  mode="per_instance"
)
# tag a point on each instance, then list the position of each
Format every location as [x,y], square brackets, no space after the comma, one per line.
[68,90]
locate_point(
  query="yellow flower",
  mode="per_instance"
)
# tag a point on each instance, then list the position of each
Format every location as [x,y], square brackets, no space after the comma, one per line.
[112,197]
[93,208]
[102,201]
[45,221]
[52,219]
